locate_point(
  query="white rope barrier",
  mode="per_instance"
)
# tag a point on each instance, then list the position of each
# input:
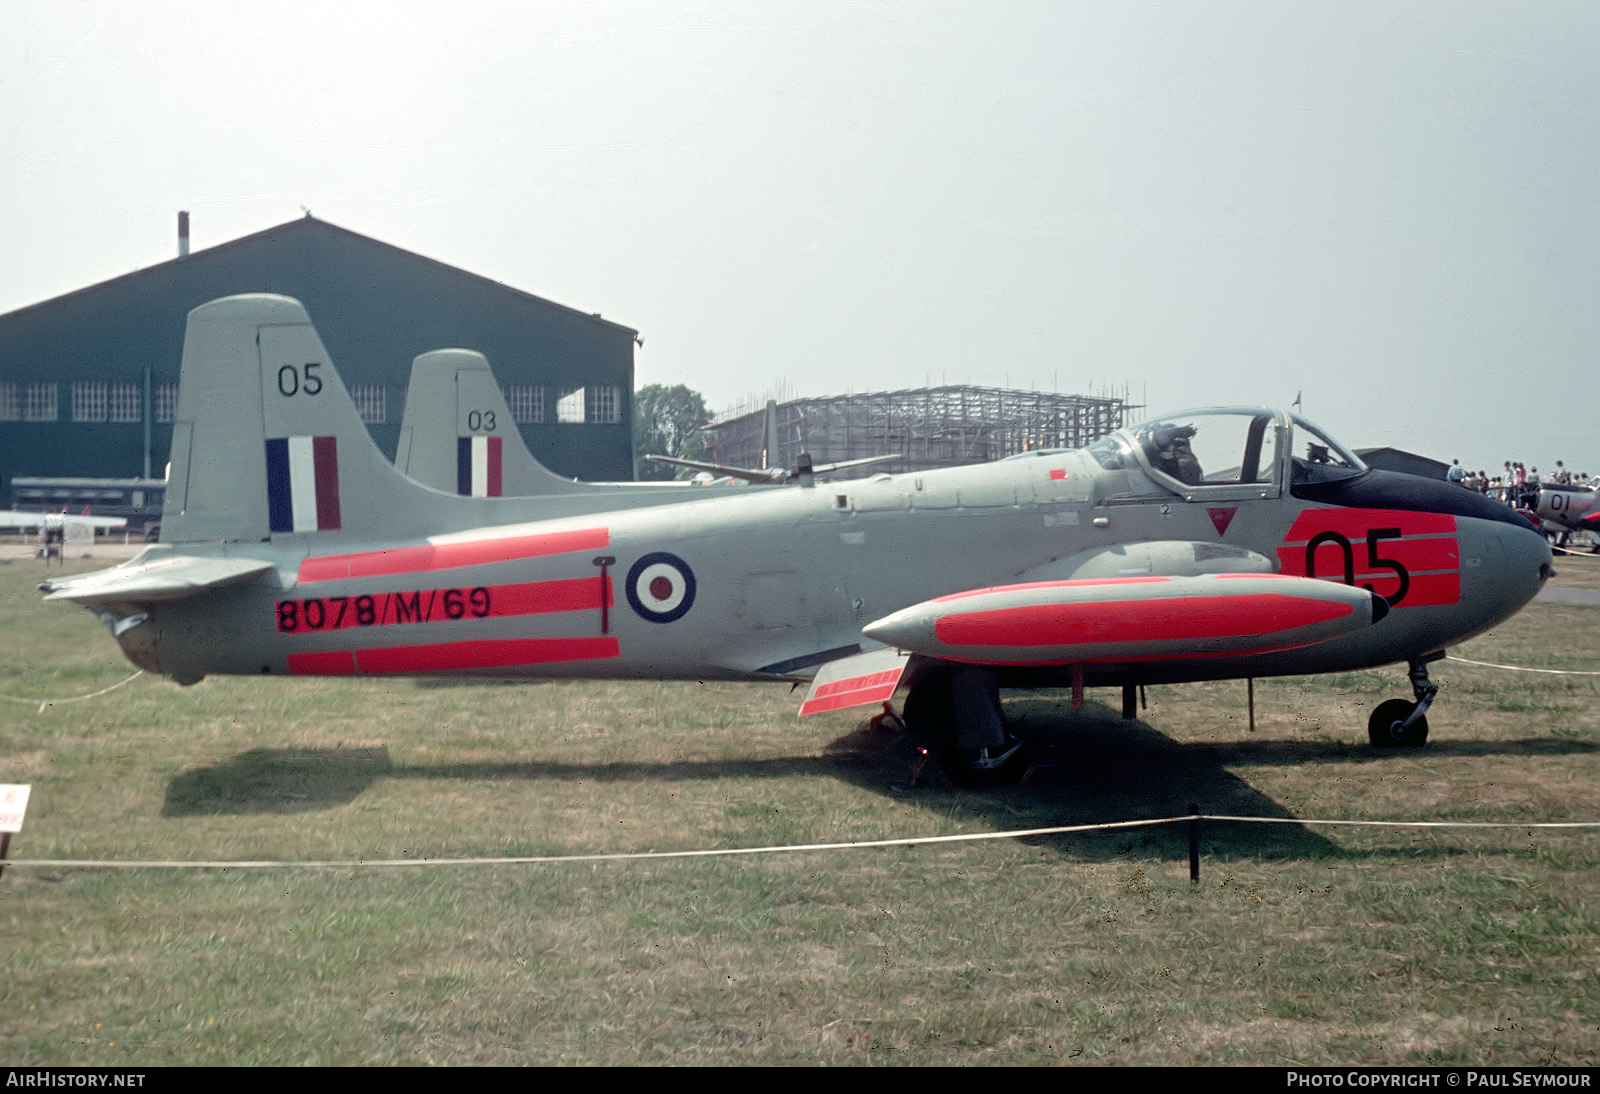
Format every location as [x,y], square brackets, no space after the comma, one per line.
[635,856]
[1520,668]
[43,703]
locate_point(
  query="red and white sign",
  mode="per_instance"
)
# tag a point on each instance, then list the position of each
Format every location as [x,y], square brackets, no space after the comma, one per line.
[13,806]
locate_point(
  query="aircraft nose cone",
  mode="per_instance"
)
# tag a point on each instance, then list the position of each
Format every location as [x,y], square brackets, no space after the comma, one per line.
[1528,562]
[903,630]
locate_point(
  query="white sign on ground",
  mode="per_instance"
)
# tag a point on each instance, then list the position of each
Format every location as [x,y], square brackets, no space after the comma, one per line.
[13,805]
[76,532]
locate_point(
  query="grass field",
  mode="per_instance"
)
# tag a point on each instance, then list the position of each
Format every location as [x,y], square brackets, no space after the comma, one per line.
[1301,944]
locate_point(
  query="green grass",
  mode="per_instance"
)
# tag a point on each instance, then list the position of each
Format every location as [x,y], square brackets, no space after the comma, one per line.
[1301,945]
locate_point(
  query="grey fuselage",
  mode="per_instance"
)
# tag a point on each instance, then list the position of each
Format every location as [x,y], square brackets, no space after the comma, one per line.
[779,581]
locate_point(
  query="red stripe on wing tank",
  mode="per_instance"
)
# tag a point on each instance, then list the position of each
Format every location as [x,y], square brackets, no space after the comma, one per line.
[874,687]
[1125,658]
[1167,619]
[1078,583]
[445,556]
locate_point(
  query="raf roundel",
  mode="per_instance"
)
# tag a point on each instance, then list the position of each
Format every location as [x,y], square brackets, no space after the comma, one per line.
[660,587]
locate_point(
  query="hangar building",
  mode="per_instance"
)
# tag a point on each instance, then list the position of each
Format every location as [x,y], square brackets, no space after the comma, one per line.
[88,381]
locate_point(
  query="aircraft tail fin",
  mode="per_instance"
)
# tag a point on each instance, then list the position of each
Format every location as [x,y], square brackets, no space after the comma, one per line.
[458,435]
[267,442]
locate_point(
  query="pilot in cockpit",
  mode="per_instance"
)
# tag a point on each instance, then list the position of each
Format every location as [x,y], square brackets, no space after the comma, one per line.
[1170,452]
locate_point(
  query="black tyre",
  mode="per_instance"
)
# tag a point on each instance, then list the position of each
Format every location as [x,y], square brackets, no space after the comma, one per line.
[929,712]
[1384,727]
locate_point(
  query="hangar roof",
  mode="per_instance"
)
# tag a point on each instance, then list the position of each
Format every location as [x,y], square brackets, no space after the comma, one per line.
[292,232]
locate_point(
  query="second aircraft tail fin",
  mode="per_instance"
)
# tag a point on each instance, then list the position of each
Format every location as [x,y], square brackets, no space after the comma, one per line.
[458,435]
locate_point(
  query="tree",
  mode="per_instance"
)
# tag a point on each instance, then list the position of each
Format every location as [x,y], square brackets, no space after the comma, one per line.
[665,420]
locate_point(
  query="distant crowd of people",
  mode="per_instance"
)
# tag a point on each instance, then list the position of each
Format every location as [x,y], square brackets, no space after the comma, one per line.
[1516,484]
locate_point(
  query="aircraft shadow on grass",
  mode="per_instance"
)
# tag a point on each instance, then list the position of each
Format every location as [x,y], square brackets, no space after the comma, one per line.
[1091,767]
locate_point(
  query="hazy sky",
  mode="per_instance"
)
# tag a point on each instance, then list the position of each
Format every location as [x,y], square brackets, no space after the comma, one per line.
[1391,207]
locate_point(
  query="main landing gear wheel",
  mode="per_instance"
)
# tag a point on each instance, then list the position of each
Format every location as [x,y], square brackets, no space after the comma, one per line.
[1399,724]
[1387,727]
[954,714]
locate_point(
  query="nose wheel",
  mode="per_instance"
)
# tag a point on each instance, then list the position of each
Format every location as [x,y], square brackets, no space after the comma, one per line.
[1397,723]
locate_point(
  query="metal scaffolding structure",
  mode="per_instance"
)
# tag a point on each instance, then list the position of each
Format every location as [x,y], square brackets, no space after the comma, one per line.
[925,427]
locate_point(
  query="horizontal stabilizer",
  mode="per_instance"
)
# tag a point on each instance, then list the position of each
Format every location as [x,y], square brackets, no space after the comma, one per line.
[1130,619]
[769,474]
[855,681]
[169,578]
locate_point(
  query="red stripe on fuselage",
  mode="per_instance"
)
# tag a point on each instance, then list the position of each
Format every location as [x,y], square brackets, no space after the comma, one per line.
[1168,619]
[1418,556]
[484,653]
[446,556]
[317,615]
[328,663]
[1353,523]
[487,653]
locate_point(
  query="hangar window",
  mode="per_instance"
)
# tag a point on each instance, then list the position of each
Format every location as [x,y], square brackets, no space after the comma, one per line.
[126,403]
[570,407]
[39,403]
[166,403]
[526,402]
[603,403]
[10,401]
[88,400]
[371,402]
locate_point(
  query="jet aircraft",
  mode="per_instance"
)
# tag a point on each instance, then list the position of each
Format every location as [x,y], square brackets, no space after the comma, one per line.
[1570,509]
[1213,544]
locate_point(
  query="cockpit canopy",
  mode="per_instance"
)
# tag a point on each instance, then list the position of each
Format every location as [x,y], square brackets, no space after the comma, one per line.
[1228,449]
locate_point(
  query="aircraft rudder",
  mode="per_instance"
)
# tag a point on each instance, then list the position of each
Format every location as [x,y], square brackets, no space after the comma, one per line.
[267,440]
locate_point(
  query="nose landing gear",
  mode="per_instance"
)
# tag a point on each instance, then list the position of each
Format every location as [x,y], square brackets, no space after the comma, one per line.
[1396,723]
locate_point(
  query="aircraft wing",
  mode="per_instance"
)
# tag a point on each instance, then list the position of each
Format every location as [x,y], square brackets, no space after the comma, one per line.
[13,518]
[827,468]
[770,474]
[171,578]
